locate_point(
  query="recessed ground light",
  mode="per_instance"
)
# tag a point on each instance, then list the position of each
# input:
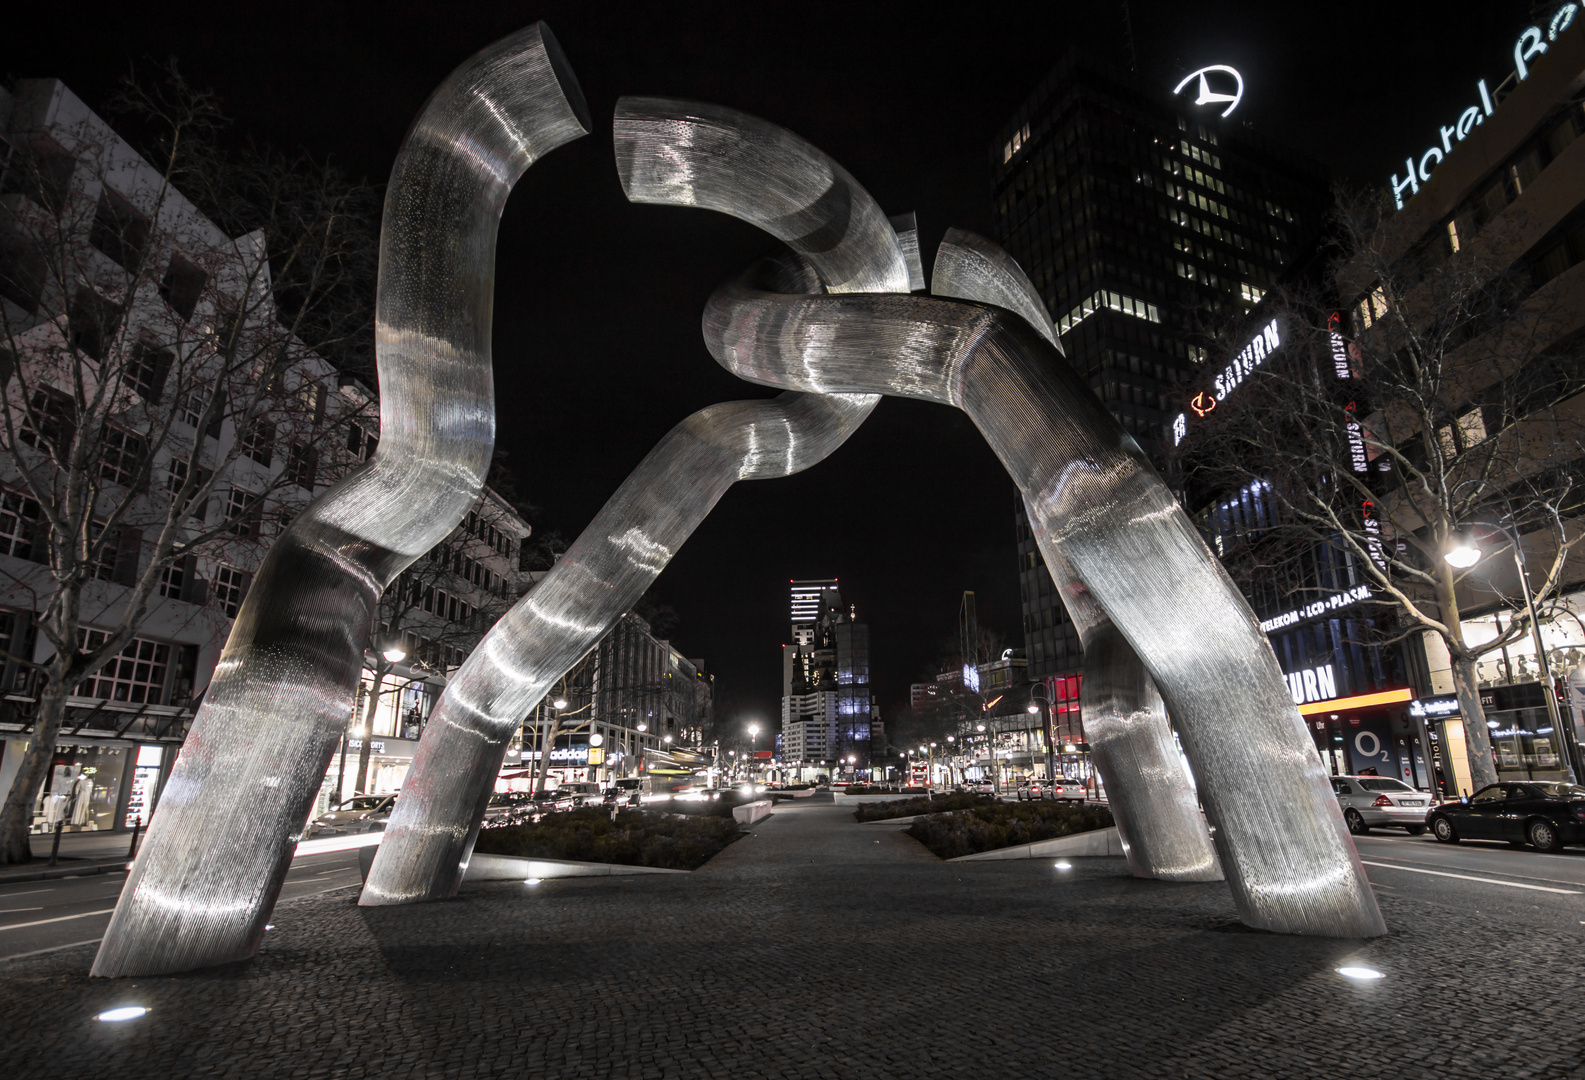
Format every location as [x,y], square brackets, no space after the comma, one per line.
[269,926]
[1063,864]
[1364,974]
[531,881]
[126,1012]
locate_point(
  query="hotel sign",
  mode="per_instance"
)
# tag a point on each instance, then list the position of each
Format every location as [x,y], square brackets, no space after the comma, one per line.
[1532,42]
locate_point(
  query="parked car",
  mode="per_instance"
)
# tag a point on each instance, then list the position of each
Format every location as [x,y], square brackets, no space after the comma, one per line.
[980,787]
[582,793]
[361,813]
[1544,814]
[1380,800]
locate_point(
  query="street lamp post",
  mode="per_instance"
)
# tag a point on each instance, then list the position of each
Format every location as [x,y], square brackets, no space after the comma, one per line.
[753,760]
[1466,554]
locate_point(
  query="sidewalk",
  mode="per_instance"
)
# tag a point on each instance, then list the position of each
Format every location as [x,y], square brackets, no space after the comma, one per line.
[816,948]
[80,853]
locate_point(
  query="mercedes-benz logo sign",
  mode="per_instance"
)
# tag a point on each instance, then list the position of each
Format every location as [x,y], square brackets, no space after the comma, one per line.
[1207,96]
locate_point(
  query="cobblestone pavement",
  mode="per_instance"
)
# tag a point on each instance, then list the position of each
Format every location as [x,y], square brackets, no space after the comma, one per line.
[818,948]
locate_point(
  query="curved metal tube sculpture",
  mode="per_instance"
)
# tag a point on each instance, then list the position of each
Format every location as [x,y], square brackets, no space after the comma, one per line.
[675,152]
[1095,502]
[1125,720]
[1157,814]
[216,853]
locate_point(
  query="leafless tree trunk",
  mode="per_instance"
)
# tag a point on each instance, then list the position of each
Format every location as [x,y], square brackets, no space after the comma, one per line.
[143,326]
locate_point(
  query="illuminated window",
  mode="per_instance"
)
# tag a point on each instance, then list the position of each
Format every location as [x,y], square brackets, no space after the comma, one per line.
[1452,236]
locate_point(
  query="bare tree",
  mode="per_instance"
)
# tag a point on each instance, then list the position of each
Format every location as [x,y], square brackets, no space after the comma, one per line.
[1351,451]
[168,404]
[431,617]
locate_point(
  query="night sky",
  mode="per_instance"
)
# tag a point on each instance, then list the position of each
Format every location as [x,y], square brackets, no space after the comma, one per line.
[597,343]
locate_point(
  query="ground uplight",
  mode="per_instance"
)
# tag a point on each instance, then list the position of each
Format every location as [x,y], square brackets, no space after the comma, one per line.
[531,881]
[126,1012]
[1063,864]
[1363,974]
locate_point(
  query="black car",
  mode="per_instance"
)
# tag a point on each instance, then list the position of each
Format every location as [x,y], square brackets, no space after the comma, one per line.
[1542,813]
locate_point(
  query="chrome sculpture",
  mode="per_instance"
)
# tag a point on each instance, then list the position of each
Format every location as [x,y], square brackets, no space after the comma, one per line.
[242,788]
[834,331]
[685,154]
[1096,504]
[1125,720]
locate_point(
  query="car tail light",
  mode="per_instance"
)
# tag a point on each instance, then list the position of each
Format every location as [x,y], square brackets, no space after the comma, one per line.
[1382,800]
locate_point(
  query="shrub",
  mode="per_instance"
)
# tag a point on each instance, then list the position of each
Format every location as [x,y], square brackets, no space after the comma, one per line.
[634,838]
[992,825]
[897,808]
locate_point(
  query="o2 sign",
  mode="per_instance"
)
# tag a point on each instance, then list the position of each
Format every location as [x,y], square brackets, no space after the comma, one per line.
[1530,44]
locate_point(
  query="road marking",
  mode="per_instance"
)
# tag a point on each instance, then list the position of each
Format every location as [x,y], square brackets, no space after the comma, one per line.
[26,892]
[337,870]
[52,948]
[1526,877]
[14,910]
[58,918]
[1467,877]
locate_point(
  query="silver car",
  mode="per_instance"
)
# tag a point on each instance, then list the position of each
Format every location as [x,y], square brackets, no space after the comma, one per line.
[1380,800]
[361,813]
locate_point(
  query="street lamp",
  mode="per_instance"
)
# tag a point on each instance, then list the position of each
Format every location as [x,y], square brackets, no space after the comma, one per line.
[559,703]
[1465,553]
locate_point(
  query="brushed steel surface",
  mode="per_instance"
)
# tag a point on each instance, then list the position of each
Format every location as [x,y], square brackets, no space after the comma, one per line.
[677,153]
[235,805]
[1095,501]
[1125,720]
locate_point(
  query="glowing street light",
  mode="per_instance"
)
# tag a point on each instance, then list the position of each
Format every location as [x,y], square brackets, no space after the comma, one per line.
[1463,554]
[561,703]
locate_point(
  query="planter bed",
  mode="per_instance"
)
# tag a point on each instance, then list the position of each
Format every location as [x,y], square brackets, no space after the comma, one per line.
[634,838]
[993,825]
[896,806]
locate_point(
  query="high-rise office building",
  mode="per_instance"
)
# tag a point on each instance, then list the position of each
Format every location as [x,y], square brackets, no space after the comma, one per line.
[1145,219]
[827,712]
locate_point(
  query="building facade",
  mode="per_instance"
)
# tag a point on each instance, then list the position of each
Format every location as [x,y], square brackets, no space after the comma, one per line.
[105,268]
[1144,221]
[1497,206]
[828,716]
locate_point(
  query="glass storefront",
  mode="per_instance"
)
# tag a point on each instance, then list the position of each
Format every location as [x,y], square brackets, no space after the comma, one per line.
[82,789]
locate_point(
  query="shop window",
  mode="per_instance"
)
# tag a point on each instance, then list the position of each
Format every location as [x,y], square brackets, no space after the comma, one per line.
[136,674]
[83,787]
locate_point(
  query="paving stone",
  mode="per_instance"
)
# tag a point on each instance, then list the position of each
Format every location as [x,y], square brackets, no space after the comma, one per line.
[809,951]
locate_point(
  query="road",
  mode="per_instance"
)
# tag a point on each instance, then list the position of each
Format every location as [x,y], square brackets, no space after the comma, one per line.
[39,916]
[1484,877]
